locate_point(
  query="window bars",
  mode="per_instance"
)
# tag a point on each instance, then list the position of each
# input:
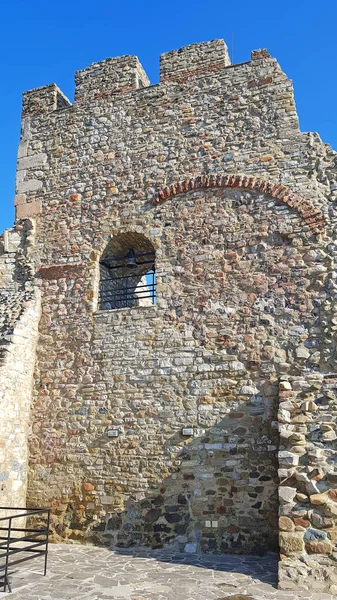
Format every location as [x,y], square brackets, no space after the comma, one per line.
[127,281]
[21,543]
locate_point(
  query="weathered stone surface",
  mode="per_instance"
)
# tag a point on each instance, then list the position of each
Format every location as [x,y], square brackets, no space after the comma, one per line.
[319,499]
[314,573]
[208,176]
[319,547]
[287,494]
[318,518]
[315,535]
[286,524]
[30,209]
[302,498]
[89,572]
[291,542]
[285,385]
[288,458]
[333,495]
[35,160]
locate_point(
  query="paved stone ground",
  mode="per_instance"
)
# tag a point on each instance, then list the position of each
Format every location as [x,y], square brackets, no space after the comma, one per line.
[91,573]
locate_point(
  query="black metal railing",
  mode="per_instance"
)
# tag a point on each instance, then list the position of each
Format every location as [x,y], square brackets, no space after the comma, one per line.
[18,542]
[127,290]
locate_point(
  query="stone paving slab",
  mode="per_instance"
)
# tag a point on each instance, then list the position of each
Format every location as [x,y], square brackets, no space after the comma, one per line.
[90,573]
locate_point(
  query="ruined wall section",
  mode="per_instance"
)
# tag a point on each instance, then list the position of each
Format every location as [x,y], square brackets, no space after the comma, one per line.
[19,316]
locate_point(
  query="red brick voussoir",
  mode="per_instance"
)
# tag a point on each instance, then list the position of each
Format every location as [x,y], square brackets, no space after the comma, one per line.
[305,208]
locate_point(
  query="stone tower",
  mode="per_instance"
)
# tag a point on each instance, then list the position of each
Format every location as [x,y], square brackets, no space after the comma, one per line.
[168,361]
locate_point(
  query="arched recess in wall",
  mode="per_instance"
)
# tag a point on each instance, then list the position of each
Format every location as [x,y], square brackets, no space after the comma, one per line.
[127,273]
[305,208]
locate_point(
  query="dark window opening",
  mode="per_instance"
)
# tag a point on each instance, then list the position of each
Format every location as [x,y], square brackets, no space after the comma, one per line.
[127,273]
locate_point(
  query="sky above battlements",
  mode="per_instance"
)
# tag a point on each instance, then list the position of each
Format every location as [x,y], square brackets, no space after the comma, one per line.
[43,42]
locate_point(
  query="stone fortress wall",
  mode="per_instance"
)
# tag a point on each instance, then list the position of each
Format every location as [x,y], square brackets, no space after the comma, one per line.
[210,170]
[19,319]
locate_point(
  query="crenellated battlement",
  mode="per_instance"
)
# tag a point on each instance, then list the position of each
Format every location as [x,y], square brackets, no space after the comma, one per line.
[196,59]
[113,77]
[43,100]
[109,77]
[116,94]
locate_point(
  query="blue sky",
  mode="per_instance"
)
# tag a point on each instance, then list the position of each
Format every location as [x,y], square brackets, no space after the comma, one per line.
[43,42]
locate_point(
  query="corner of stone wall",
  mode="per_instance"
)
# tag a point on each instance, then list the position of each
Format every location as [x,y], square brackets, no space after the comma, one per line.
[43,100]
[308,482]
[265,76]
[32,160]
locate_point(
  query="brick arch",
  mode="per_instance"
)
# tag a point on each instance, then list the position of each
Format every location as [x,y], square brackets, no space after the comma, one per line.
[305,208]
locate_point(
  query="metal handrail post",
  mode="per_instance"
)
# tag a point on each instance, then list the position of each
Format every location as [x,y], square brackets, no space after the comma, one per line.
[47,542]
[6,581]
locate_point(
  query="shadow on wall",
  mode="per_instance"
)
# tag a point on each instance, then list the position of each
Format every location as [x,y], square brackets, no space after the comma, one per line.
[220,496]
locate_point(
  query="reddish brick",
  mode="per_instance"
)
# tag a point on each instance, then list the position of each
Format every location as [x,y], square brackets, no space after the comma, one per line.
[265,81]
[305,208]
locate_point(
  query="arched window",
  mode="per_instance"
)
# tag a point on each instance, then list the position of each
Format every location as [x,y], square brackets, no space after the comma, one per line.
[127,272]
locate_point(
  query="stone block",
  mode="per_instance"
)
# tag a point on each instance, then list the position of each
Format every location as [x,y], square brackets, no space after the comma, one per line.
[19,199]
[286,524]
[319,499]
[288,458]
[286,494]
[32,185]
[291,543]
[285,385]
[30,209]
[33,161]
[320,547]
[191,548]
[312,534]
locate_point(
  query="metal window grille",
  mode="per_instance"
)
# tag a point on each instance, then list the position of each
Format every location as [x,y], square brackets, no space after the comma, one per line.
[127,281]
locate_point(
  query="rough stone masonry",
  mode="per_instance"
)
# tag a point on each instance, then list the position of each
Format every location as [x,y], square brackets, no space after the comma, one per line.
[203,417]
